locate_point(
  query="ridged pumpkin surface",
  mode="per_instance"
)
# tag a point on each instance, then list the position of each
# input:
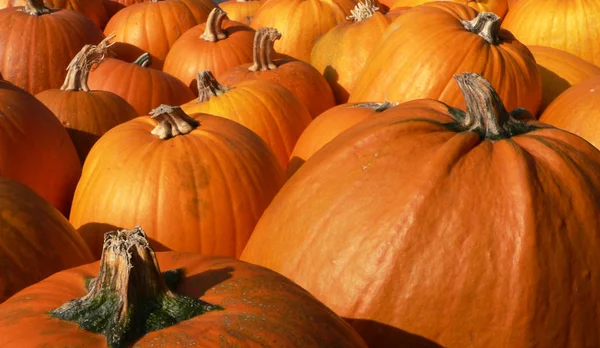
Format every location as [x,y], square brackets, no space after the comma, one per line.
[499,7]
[92,9]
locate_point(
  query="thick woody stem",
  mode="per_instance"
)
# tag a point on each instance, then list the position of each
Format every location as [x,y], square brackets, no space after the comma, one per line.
[213,30]
[36,8]
[144,60]
[264,49]
[208,86]
[363,11]
[172,121]
[80,66]
[486,25]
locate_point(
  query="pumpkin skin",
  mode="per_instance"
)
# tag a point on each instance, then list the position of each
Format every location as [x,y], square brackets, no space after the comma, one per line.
[36,65]
[240,10]
[560,70]
[575,110]
[532,198]
[259,308]
[35,149]
[499,7]
[300,22]
[154,26]
[146,88]
[34,233]
[192,53]
[223,174]
[509,65]
[92,9]
[535,22]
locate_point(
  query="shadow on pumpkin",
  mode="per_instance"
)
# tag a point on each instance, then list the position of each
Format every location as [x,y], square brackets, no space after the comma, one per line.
[332,76]
[558,84]
[93,234]
[379,335]
[197,285]
[293,165]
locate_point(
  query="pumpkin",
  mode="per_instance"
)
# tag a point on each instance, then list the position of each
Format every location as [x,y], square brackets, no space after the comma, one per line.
[499,7]
[424,47]
[200,300]
[299,77]
[265,107]
[86,114]
[329,125]
[92,9]
[458,228]
[145,88]
[37,240]
[35,149]
[575,110]
[567,25]
[341,53]
[240,10]
[206,176]
[560,70]
[217,45]
[301,22]
[37,65]
[154,26]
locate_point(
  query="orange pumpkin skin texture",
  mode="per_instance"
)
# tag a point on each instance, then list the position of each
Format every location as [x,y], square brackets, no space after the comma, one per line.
[301,22]
[446,48]
[299,77]
[567,25]
[240,10]
[223,177]
[146,88]
[35,149]
[410,254]
[154,26]
[201,49]
[560,70]
[264,107]
[248,306]
[92,9]
[37,65]
[37,240]
[499,7]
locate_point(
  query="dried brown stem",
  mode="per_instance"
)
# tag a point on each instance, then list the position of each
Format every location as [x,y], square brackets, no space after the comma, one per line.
[363,11]
[79,67]
[36,8]
[213,30]
[486,25]
[208,86]
[264,49]
[172,121]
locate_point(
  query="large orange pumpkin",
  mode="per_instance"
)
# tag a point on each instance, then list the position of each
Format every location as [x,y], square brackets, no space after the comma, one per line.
[425,46]
[200,301]
[240,10]
[36,64]
[264,107]
[560,70]
[86,114]
[92,9]
[462,228]
[197,184]
[154,26]
[299,77]
[142,87]
[217,45]
[35,149]
[499,7]
[37,240]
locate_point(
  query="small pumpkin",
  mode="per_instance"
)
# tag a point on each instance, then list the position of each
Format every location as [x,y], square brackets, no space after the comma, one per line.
[299,77]
[92,9]
[86,114]
[217,45]
[240,10]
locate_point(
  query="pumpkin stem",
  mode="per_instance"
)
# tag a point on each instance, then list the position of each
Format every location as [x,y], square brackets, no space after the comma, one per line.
[208,86]
[363,11]
[264,39]
[213,30]
[486,25]
[377,107]
[130,297]
[80,66]
[172,121]
[36,8]
[144,60]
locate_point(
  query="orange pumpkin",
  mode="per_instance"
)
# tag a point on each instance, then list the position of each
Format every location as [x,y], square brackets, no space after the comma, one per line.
[154,26]
[425,46]
[35,149]
[560,70]
[217,301]
[217,45]
[86,114]
[240,10]
[299,77]
[92,9]
[37,65]
[301,22]
[456,228]
[37,240]
[329,125]
[499,7]
[145,88]
[264,107]
[205,177]
[342,52]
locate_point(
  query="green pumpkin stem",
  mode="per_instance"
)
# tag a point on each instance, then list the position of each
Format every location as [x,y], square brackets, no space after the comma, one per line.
[363,10]
[130,297]
[486,25]
[172,121]
[36,8]
[213,30]
[80,66]
[208,86]
[264,39]
[144,60]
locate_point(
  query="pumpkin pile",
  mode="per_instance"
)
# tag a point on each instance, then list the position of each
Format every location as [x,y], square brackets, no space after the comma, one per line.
[299,173]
